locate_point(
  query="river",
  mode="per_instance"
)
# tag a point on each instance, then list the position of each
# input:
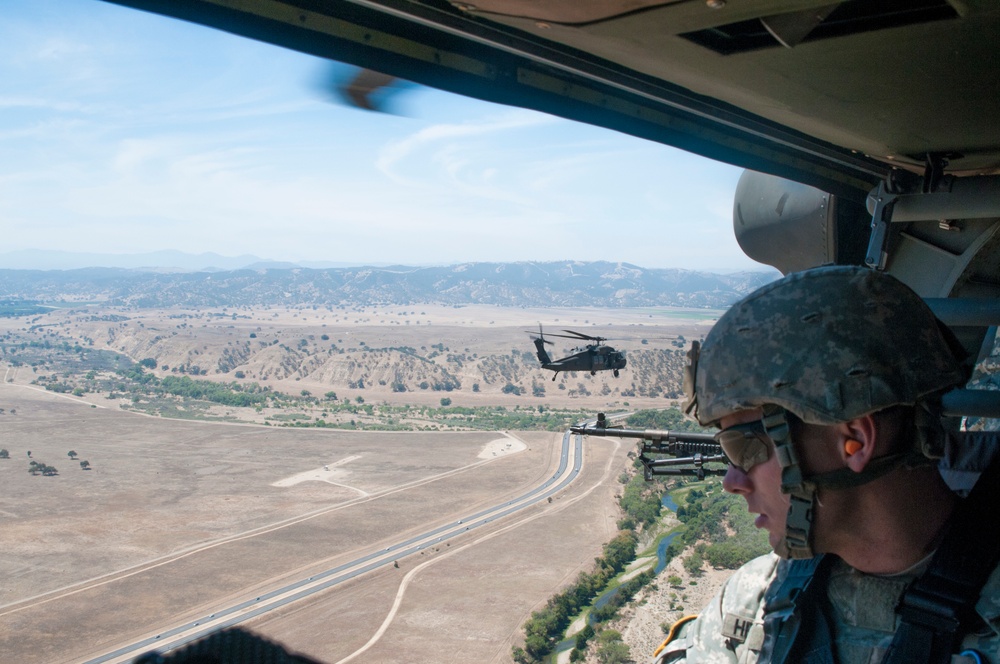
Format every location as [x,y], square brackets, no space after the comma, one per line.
[605,597]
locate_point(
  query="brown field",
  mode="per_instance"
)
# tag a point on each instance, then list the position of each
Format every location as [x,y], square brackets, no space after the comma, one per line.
[177,519]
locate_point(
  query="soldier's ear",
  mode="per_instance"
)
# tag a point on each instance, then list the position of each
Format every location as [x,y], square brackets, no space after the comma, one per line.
[858,438]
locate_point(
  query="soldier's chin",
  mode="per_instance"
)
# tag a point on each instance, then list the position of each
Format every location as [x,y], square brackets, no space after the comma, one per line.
[777,543]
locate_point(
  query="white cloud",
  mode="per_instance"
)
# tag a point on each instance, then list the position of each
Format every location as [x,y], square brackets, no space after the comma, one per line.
[125,146]
[431,138]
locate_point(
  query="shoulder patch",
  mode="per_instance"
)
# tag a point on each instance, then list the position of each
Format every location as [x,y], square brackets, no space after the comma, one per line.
[737,627]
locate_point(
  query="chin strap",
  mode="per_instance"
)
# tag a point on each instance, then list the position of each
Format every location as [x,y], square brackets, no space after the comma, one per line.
[845,478]
[797,542]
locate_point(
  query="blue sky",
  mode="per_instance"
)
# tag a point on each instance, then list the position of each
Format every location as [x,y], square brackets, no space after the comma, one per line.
[125,132]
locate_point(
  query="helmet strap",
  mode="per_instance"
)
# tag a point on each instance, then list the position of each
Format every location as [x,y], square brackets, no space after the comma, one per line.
[845,478]
[797,542]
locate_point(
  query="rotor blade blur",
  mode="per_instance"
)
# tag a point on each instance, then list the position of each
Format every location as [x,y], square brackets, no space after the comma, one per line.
[366,89]
[581,336]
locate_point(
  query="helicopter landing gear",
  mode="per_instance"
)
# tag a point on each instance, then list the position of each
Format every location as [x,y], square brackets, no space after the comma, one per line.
[615,373]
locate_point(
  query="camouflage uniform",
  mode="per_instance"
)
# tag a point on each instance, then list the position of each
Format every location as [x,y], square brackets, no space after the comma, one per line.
[862,616]
[827,345]
[738,604]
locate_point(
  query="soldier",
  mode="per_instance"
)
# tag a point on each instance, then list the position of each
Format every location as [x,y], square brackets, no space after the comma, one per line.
[826,386]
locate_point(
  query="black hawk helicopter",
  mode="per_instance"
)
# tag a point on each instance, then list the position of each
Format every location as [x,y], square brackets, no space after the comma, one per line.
[593,358]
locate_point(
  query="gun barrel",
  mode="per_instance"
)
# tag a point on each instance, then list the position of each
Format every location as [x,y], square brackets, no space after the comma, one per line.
[654,435]
[692,450]
[655,463]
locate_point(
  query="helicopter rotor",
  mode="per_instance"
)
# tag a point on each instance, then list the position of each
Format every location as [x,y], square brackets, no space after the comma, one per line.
[578,335]
[541,335]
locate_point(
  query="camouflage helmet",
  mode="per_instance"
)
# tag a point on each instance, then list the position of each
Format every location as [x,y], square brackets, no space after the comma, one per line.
[828,344]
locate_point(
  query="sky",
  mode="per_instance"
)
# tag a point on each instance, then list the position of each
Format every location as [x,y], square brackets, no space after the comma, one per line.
[125,132]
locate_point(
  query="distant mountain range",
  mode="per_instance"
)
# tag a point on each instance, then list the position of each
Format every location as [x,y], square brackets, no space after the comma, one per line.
[153,261]
[544,284]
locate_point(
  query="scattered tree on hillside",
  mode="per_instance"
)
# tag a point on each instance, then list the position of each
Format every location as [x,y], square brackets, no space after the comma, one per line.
[85,465]
[445,402]
[4,454]
[611,649]
[35,467]
[72,454]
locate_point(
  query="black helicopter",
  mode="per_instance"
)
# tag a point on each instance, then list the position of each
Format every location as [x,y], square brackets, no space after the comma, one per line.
[593,358]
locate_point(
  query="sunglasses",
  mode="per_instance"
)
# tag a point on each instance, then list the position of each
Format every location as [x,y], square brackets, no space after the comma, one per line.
[745,445]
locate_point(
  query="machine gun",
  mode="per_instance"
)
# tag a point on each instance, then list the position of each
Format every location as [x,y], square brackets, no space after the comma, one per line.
[691,451]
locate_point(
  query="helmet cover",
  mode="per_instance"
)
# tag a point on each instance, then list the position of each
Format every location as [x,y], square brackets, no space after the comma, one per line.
[828,344]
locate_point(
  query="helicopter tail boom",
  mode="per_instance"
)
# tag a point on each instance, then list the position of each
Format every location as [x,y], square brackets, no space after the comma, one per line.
[543,355]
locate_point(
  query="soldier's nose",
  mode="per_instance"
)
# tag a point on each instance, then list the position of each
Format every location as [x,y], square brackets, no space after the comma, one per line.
[737,481]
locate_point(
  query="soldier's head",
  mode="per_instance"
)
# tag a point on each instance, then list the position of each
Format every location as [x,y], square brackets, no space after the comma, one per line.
[808,357]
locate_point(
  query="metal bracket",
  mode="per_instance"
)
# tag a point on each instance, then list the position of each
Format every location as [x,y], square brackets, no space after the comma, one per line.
[934,177]
[884,197]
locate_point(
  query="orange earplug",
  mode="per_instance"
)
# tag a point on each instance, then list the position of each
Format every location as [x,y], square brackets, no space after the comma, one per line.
[852,447]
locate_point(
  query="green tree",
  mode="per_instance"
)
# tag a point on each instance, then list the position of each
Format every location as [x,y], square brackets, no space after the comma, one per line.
[608,636]
[518,654]
[445,402]
[72,454]
[537,646]
[148,362]
[85,465]
[4,454]
[693,563]
[615,652]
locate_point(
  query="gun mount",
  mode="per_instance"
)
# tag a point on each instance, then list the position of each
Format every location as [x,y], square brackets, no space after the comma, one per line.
[691,451]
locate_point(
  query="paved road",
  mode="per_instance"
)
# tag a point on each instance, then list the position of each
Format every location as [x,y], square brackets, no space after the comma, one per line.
[570,463]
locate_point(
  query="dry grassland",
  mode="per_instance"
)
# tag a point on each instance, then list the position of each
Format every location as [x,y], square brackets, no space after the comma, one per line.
[176,519]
